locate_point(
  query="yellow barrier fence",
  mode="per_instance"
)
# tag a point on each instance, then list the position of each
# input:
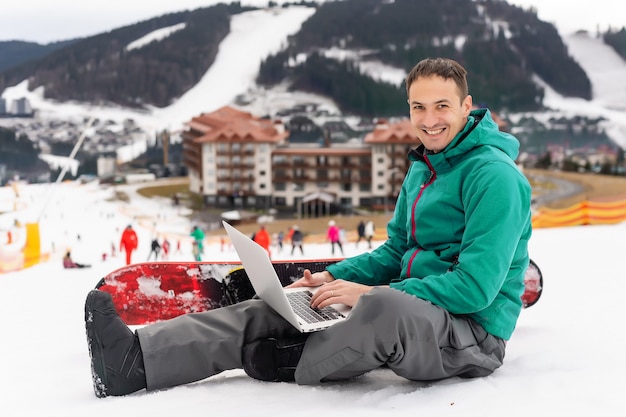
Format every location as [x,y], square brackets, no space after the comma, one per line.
[22,249]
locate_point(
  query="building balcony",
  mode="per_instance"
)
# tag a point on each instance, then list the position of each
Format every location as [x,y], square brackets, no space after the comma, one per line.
[229,180]
[235,193]
[282,177]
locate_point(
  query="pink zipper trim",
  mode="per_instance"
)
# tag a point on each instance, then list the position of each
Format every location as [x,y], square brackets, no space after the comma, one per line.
[433,176]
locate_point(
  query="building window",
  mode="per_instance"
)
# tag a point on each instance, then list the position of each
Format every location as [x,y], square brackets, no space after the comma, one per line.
[280,186]
[279,159]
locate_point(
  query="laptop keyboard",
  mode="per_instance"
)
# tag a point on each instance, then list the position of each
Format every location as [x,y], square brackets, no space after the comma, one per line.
[301,303]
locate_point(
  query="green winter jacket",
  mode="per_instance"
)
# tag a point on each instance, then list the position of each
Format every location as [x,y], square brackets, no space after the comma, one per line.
[459,234]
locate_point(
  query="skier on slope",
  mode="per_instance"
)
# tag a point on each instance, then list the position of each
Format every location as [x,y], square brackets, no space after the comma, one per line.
[198,243]
[128,242]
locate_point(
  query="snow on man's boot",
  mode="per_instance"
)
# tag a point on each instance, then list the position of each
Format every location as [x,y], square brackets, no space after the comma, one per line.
[116,359]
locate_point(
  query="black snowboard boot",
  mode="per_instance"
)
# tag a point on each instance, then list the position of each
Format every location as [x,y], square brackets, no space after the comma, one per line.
[273,359]
[116,360]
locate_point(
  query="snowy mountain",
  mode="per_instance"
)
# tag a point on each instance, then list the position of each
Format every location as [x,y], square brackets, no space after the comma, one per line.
[607,72]
[255,35]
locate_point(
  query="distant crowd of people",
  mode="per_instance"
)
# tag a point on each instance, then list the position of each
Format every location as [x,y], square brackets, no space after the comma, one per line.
[292,240]
[335,235]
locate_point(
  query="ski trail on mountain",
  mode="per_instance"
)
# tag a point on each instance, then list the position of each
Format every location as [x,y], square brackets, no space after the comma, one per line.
[254,35]
[604,67]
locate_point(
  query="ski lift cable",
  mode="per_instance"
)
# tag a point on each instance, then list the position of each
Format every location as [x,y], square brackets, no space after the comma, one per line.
[71,157]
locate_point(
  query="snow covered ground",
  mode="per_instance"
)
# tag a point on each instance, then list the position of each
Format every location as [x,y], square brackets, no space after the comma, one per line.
[566,355]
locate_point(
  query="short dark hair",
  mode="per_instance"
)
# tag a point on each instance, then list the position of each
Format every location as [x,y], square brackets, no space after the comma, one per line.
[445,68]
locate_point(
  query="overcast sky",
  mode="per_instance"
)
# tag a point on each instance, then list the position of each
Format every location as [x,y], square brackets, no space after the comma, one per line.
[46,21]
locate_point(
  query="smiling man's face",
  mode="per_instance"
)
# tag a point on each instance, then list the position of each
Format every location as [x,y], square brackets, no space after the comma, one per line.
[438,112]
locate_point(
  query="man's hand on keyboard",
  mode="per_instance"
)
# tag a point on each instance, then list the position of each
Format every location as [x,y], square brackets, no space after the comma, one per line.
[338,292]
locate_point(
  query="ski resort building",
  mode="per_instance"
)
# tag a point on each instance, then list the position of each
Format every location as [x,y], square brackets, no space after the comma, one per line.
[235,159]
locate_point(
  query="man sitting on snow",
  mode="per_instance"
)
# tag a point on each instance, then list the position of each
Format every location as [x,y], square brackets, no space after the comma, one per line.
[437,299]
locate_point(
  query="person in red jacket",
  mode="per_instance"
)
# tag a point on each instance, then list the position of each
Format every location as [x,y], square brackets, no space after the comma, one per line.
[262,237]
[128,242]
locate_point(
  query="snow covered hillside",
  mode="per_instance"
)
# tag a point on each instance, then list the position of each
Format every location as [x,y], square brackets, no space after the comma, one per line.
[565,357]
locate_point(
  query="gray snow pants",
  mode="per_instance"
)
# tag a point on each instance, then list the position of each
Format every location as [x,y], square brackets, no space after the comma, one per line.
[414,338]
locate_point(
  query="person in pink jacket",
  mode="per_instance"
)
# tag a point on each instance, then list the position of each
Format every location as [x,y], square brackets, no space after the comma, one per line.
[334,236]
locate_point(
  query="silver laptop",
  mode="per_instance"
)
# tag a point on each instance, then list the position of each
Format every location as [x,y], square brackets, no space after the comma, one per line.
[291,303]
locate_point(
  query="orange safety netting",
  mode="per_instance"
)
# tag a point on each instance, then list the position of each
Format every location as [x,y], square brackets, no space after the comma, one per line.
[583,213]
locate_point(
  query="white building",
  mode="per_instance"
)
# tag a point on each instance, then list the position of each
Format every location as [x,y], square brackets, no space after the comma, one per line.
[238,160]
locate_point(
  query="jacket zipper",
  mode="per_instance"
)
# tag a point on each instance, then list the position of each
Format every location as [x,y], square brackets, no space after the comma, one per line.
[430,180]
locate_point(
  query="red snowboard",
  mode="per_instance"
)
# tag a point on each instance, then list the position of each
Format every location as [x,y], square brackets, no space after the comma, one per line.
[533,285]
[154,291]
